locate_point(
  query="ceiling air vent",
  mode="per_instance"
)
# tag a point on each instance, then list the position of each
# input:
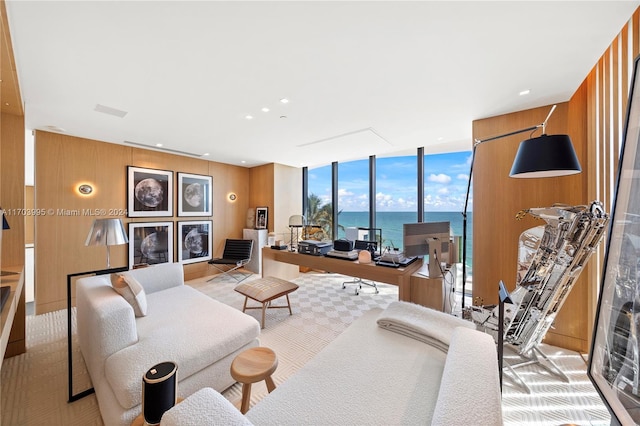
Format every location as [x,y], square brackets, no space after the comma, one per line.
[157,148]
[110,111]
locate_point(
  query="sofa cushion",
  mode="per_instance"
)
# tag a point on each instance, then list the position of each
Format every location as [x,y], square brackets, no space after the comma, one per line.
[366,376]
[470,388]
[132,291]
[184,326]
[206,407]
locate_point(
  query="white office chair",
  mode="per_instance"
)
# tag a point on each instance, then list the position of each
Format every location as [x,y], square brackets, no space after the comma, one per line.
[362,245]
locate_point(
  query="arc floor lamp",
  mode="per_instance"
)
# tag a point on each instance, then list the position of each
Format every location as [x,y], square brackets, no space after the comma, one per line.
[543,156]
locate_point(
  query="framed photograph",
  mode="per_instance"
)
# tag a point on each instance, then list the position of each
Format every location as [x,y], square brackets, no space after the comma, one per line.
[261,217]
[195,241]
[150,243]
[615,350]
[149,192]
[195,195]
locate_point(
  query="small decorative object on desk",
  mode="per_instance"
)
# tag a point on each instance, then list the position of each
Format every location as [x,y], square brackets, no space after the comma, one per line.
[364,256]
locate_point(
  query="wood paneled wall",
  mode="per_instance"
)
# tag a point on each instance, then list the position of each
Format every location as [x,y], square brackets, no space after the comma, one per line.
[594,119]
[12,199]
[12,196]
[279,188]
[497,199]
[63,162]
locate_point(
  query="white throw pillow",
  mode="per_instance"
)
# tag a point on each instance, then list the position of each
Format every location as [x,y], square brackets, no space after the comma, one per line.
[132,291]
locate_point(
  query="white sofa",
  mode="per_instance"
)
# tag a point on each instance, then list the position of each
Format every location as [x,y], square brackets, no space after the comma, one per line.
[370,375]
[181,325]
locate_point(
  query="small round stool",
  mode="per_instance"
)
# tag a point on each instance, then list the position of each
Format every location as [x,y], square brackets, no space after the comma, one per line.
[252,366]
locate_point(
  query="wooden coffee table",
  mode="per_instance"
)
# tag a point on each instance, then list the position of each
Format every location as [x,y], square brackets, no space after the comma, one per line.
[265,290]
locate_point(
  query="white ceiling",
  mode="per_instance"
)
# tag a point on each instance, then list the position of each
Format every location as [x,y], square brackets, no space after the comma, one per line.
[363,78]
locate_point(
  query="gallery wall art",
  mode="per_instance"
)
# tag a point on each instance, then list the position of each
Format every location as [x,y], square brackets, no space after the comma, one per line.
[149,192]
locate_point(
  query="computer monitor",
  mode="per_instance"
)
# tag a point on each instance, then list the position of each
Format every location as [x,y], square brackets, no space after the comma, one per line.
[428,238]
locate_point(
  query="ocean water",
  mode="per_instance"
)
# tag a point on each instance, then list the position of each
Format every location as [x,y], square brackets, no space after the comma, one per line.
[391,225]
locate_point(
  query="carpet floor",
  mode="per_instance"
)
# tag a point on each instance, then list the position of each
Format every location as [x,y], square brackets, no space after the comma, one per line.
[34,384]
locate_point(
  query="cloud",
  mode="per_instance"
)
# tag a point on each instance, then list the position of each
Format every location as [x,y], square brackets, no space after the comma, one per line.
[462,176]
[440,178]
[443,191]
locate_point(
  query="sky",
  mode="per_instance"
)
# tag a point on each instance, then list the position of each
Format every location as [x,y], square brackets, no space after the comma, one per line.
[446,177]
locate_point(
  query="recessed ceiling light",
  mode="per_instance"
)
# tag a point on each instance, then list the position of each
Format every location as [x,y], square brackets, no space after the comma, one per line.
[283,116]
[440,138]
[265,109]
[243,162]
[249,117]
[525,92]
[284,100]
[205,154]
[158,144]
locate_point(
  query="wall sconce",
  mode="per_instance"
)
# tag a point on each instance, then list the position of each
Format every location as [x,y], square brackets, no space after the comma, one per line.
[85,189]
[232,197]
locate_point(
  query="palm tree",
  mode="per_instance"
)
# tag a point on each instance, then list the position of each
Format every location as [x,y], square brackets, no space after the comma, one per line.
[320,217]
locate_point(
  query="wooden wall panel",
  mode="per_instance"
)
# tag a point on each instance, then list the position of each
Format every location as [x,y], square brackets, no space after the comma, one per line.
[29,232]
[12,199]
[11,102]
[262,190]
[63,162]
[12,187]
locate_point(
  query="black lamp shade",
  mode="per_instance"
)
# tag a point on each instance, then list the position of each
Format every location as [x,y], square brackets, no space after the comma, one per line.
[545,156]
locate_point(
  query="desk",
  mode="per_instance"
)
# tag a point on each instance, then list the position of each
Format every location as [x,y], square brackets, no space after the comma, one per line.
[14,309]
[285,264]
[435,293]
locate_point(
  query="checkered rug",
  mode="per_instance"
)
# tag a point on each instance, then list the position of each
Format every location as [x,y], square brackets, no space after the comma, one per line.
[321,308]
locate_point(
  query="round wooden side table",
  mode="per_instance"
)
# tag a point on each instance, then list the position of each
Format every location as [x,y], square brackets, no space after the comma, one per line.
[252,366]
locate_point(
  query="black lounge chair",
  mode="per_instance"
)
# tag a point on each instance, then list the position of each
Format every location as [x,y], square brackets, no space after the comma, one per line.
[236,254]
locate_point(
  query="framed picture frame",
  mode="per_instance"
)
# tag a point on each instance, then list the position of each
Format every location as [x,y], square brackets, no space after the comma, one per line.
[195,241]
[615,349]
[150,243]
[195,195]
[149,192]
[262,217]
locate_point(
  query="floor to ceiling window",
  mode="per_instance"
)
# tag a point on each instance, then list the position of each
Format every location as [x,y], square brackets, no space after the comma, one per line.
[353,195]
[396,196]
[445,184]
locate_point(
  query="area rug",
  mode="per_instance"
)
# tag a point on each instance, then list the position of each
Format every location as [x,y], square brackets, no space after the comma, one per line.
[34,384]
